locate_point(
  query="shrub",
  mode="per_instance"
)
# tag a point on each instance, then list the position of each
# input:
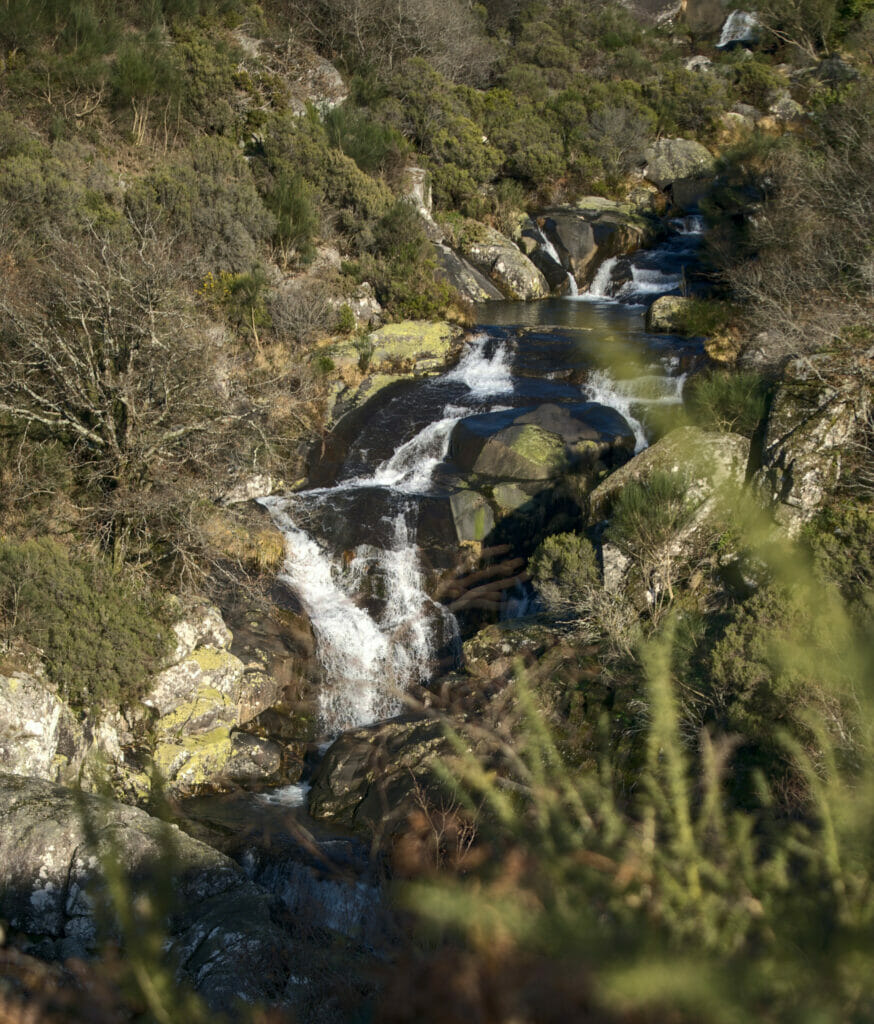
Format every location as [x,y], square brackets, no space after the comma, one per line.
[292,202]
[564,568]
[728,401]
[374,146]
[102,633]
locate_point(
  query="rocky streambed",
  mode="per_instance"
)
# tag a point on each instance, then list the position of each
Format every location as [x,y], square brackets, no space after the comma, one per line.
[403,572]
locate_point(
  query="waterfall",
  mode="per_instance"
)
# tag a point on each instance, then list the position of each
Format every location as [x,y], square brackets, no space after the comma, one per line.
[599,288]
[367,661]
[552,253]
[410,468]
[634,393]
[481,373]
[739,27]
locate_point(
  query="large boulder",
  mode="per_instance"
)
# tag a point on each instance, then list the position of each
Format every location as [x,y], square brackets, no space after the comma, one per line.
[542,443]
[413,346]
[201,700]
[818,410]
[370,779]
[666,313]
[54,846]
[463,277]
[505,264]
[682,167]
[586,233]
[708,460]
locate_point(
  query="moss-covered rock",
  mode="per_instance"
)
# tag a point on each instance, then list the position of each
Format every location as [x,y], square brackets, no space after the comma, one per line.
[413,346]
[666,313]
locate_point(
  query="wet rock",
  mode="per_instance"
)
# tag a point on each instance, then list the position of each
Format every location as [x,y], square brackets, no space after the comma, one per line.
[819,408]
[463,277]
[505,265]
[369,778]
[704,16]
[53,845]
[471,514]
[541,443]
[253,760]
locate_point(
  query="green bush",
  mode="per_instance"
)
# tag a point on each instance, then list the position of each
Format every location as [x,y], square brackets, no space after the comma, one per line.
[726,400]
[376,147]
[564,568]
[102,633]
[292,201]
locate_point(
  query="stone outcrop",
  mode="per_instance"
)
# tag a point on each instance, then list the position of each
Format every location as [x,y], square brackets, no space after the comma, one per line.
[39,735]
[582,235]
[681,167]
[201,699]
[413,346]
[54,844]
[463,277]
[541,443]
[666,313]
[370,778]
[818,410]
[496,256]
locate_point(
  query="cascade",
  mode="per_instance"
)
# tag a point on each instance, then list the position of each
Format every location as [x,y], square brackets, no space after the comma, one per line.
[739,27]
[377,630]
[552,253]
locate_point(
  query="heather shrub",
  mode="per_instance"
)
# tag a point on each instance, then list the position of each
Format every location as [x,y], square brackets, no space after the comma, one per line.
[725,400]
[102,633]
[564,568]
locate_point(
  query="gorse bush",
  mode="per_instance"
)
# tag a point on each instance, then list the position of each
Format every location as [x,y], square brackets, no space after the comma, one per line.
[563,568]
[735,401]
[102,633]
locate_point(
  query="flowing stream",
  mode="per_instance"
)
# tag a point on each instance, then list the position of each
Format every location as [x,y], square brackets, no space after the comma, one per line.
[359,549]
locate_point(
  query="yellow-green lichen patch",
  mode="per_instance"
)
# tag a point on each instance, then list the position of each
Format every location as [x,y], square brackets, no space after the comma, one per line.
[203,711]
[197,761]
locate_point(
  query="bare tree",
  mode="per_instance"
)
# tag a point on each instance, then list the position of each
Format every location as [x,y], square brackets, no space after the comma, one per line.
[101,352]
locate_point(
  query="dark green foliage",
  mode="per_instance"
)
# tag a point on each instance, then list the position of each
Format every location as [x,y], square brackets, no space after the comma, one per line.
[209,202]
[755,82]
[377,148]
[726,400]
[686,103]
[401,265]
[564,568]
[842,542]
[291,199]
[102,633]
[143,70]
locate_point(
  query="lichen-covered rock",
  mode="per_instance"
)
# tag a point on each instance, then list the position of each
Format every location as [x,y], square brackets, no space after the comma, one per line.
[671,160]
[369,777]
[818,409]
[200,701]
[505,264]
[39,735]
[471,515]
[463,277]
[202,626]
[709,460]
[666,313]
[413,346]
[53,845]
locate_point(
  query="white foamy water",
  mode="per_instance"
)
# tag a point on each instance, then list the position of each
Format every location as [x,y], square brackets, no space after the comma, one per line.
[600,286]
[739,27]
[626,395]
[691,224]
[367,662]
[287,796]
[410,468]
[482,374]
[552,253]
